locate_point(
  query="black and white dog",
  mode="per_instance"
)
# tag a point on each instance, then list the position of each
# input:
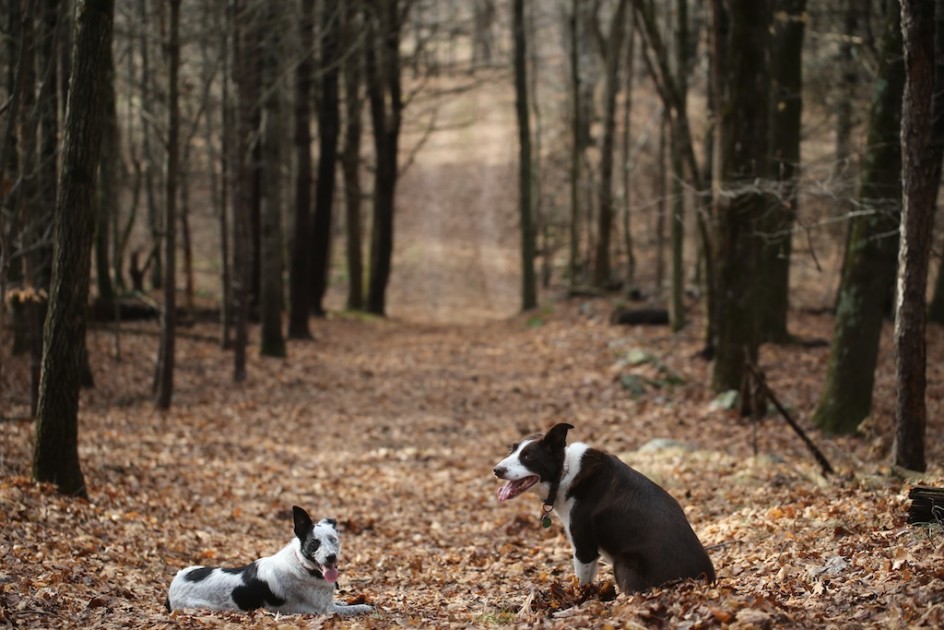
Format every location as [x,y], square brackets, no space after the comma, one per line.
[299,579]
[607,508]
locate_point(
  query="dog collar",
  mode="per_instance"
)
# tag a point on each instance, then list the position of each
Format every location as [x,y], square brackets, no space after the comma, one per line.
[548,506]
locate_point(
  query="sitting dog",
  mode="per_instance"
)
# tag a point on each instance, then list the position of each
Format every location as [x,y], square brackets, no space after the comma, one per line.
[299,579]
[607,508]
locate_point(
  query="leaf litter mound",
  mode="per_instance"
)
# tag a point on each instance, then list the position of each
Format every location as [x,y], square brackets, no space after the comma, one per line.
[393,428]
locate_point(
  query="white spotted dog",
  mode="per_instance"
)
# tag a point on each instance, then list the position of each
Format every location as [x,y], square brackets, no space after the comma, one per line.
[299,579]
[607,509]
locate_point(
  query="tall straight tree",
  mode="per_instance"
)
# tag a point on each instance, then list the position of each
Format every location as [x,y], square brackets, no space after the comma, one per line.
[936,308]
[385,93]
[164,378]
[739,204]
[920,176]
[299,271]
[869,266]
[677,231]
[528,276]
[272,341]
[351,152]
[329,124]
[612,54]
[241,17]
[785,133]
[55,454]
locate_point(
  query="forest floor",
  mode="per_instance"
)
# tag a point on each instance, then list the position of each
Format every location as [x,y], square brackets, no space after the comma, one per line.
[393,428]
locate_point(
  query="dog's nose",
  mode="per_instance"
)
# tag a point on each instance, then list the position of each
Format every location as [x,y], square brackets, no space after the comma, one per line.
[499,471]
[332,559]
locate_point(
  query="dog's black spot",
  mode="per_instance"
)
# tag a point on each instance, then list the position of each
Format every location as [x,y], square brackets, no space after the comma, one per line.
[240,570]
[331,522]
[167,603]
[199,574]
[254,593]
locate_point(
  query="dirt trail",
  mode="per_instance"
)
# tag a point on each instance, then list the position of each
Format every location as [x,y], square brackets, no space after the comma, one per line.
[456,243]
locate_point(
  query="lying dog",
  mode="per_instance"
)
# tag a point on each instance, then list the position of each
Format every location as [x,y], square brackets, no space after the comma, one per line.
[299,579]
[607,508]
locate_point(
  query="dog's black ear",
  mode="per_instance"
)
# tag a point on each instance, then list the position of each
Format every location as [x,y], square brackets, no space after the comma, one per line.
[303,523]
[557,436]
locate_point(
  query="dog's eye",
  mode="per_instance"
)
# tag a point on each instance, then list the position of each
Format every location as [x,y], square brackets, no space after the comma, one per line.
[333,540]
[525,456]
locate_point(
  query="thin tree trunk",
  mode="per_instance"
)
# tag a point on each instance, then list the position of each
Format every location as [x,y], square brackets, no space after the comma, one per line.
[272,341]
[677,232]
[785,135]
[299,272]
[573,266]
[55,454]
[164,379]
[627,170]
[108,173]
[329,123]
[936,309]
[351,159]
[526,218]
[917,219]
[614,51]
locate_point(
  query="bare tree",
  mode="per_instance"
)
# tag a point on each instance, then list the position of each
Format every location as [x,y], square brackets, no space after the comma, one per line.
[164,378]
[55,454]
[917,217]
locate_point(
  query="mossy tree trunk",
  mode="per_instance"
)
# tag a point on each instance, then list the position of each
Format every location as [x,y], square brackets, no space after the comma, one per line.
[869,266]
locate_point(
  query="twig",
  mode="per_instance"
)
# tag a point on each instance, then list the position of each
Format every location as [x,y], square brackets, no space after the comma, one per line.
[761,382]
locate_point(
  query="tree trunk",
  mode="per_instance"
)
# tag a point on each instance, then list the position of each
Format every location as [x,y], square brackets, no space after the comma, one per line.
[272,341]
[147,116]
[920,176]
[329,124]
[351,157]
[241,19]
[627,157]
[869,266]
[108,185]
[740,205]
[386,107]
[55,455]
[613,54]
[677,238]
[299,273]
[526,218]
[164,378]
[936,309]
[573,265]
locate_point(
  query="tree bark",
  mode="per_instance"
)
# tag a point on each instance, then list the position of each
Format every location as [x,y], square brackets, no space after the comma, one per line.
[329,125]
[677,232]
[351,156]
[386,107]
[613,53]
[936,309]
[272,341]
[525,213]
[740,204]
[785,135]
[55,454]
[299,272]
[869,266]
[920,173]
[164,378]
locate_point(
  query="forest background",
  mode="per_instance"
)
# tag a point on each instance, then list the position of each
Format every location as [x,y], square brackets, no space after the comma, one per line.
[341,254]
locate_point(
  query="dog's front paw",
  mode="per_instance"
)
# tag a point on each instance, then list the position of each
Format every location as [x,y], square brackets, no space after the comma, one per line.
[354,609]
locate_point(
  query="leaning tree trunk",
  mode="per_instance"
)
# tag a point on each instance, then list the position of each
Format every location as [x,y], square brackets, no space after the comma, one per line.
[55,454]
[299,272]
[920,176]
[740,205]
[785,133]
[528,276]
[869,266]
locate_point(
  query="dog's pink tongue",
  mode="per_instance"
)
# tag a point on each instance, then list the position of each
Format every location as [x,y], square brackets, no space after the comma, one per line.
[331,574]
[506,492]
